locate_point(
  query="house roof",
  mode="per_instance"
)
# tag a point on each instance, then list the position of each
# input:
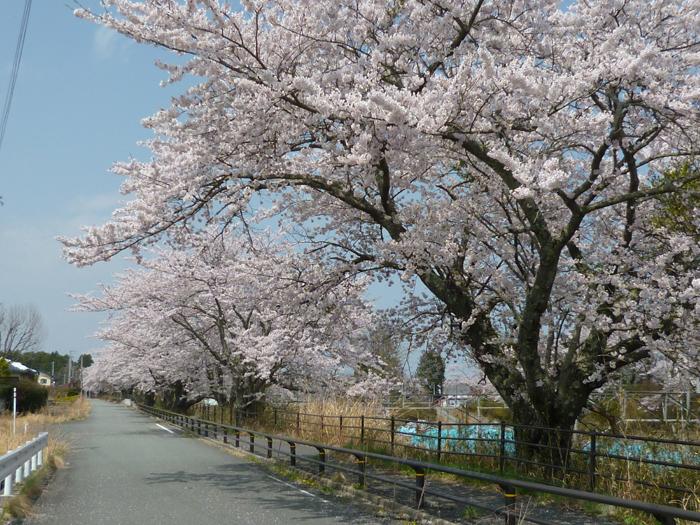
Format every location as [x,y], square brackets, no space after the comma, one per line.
[19,368]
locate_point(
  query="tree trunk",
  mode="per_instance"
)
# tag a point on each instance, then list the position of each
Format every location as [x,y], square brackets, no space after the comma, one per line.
[544,436]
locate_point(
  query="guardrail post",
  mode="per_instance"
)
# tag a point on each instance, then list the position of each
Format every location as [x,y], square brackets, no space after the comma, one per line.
[26,469]
[665,520]
[592,463]
[292,453]
[420,487]
[18,475]
[393,427]
[321,460]
[206,429]
[225,435]
[502,449]
[439,441]
[251,442]
[7,489]
[40,457]
[509,495]
[238,438]
[269,448]
[33,462]
[199,427]
[362,429]
[361,464]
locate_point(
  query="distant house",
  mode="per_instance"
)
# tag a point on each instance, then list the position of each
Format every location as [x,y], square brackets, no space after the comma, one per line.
[17,368]
[44,379]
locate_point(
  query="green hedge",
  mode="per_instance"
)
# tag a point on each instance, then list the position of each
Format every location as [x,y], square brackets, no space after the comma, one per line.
[31,396]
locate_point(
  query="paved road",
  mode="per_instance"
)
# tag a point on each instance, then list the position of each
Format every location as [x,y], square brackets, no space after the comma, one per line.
[125,470]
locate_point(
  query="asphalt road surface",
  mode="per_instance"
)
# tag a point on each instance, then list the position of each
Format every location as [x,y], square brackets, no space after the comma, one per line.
[126,468]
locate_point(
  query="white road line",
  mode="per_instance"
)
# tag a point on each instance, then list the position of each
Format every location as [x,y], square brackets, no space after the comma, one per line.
[296,488]
[164,428]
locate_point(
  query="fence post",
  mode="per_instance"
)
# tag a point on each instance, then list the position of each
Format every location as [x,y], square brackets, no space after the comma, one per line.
[251,442]
[592,462]
[292,453]
[269,448]
[321,460]
[509,495]
[665,520]
[362,429]
[361,463]
[502,449]
[393,426]
[340,426]
[439,441]
[420,486]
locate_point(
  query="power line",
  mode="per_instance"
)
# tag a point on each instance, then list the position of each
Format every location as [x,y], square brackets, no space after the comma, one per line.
[15,70]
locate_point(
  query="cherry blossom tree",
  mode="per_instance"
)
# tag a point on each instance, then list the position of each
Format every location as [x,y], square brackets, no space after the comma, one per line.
[227,319]
[501,156]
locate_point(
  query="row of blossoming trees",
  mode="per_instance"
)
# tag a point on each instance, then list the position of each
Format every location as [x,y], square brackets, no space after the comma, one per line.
[517,164]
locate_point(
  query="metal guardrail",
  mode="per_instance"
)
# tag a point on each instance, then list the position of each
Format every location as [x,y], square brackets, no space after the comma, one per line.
[19,463]
[590,456]
[666,515]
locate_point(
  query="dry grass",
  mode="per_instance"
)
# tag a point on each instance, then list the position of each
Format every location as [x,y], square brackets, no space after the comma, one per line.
[29,425]
[331,421]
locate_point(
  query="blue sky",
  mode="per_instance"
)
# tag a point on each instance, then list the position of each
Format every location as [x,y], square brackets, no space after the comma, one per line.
[81,93]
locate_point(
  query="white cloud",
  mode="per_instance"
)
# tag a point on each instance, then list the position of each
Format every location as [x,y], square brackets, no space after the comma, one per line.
[97,207]
[110,45]
[105,42]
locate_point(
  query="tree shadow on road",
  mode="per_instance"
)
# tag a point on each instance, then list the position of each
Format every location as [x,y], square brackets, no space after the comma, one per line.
[237,482]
